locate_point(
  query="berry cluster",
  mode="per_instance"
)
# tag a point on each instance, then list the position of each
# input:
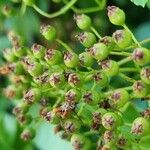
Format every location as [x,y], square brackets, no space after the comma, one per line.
[77,92]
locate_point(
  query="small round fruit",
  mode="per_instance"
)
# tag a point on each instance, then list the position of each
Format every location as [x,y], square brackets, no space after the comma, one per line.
[74,80]
[140,89]
[145,75]
[38,50]
[86,59]
[27,134]
[79,141]
[110,120]
[72,125]
[71,59]
[49,32]
[140,127]
[119,97]
[87,39]
[141,56]
[116,15]
[100,78]
[53,56]
[73,95]
[110,67]
[91,97]
[99,51]
[57,79]
[19,51]
[108,41]
[83,21]
[9,55]
[122,38]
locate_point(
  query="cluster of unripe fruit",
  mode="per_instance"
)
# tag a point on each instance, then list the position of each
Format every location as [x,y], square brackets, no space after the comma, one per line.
[76,92]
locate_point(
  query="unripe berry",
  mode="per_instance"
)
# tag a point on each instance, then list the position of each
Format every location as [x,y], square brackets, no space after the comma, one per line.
[145,75]
[71,59]
[116,15]
[86,59]
[141,56]
[108,41]
[100,78]
[87,39]
[19,51]
[80,142]
[72,125]
[74,80]
[99,51]
[27,134]
[83,21]
[119,97]
[53,56]
[91,97]
[110,67]
[7,10]
[108,137]
[32,95]
[122,38]
[9,55]
[49,32]
[140,89]
[29,2]
[110,120]
[140,127]
[38,50]
[73,95]
[56,79]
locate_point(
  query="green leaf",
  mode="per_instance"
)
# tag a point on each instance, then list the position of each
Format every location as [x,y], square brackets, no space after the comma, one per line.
[140,2]
[148,4]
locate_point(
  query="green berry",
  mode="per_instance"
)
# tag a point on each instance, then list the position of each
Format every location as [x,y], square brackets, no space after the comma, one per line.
[99,51]
[110,120]
[29,2]
[87,39]
[49,32]
[108,41]
[19,51]
[100,78]
[140,127]
[74,80]
[122,38]
[56,79]
[32,95]
[110,67]
[53,56]
[140,89]
[7,10]
[119,97]
[91,97]
[141,56]
[27,134]
[116,15]
[72,125]
[73,95]
[71,59]
[86,59]
[145,75]
[80,142]
[83,21]
[9,55]
[38,51]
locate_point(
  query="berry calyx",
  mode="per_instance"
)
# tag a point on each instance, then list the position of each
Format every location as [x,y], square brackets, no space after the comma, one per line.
[74,80]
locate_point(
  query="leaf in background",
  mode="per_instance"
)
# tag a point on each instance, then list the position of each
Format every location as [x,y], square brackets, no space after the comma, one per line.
[140,2]
[148,4]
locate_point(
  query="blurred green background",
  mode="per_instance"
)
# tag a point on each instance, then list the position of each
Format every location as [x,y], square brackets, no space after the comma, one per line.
[138,19]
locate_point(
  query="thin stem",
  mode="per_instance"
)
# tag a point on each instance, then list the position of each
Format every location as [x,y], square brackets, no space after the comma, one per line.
[128,70]
[133,37]
[64,45]
[57,102]
[57,13]
[120,53]
[96,32]
[123,61]
[94,86]
[23,8]
[126,78]
[81,109]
